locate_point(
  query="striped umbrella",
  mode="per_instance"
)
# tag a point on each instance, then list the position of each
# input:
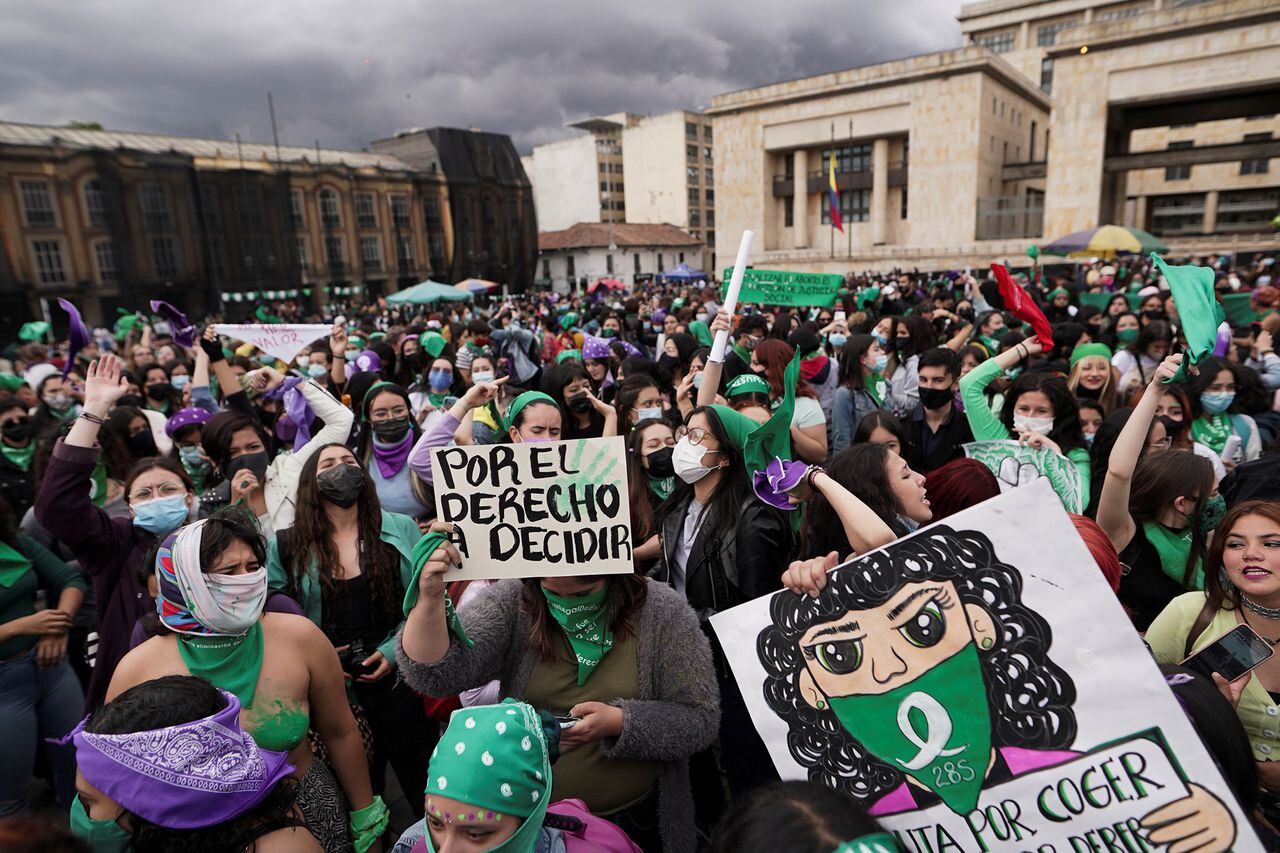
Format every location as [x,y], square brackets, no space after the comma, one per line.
[1105,242]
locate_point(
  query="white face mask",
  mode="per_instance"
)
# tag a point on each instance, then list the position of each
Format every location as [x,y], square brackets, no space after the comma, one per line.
[686,458]
[645,414]
[239,600]
[1026,423]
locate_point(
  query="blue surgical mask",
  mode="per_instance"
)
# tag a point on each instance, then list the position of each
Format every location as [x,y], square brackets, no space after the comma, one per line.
[350,355]
[697,379]
[1089,437]
[642,414]
[882,340]
[179,381]
[1217,402]
[162,515]
[882,361]
[191,458]
[315,371]
[440,380]
[837,340]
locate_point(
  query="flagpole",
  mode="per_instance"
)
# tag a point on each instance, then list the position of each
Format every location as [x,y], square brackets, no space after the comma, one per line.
[831,217]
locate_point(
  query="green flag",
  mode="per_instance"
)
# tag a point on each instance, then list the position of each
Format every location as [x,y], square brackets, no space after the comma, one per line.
[1198,310]
[34,330]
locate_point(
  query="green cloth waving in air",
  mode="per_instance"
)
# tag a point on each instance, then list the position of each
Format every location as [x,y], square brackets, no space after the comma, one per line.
[1198,311]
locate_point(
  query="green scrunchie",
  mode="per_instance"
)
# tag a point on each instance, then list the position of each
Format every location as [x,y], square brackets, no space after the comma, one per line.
[418,558]
[368,824]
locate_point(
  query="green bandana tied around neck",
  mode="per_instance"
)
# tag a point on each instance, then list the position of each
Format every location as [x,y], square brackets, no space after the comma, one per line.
[702,332]
[1212,430]
[13,565]
[875,387]
[232,663]
[1173,546]
[585,621]
[946,705]
[495,759]
[877,842]
[662,487]
[519,403]
[20,456]
[1199,312]
[422,552]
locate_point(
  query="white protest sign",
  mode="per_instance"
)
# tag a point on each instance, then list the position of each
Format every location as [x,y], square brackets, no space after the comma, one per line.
[538,509]
[1015,465]
[948,684]
[282,340]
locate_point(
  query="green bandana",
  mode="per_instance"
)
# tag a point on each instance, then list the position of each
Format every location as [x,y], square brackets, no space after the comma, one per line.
[992,345]
[1199,312]
[232,663]
[747,383]
[98,479]
[878,842]
[1173,546]
[875,386]
[438,400]
[1127,336]
[433,342]
[418,558]
[759,444]
[34,330]
[662,487]
[20,456]
[519,403]
[13,565]
[10,383]
[584,620]
[700,330]
[494,759]
[567,354]
[1083,351]
[935,728]
[1212,430]
[742,352]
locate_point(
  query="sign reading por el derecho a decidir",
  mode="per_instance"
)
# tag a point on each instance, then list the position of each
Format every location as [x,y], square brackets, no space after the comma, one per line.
[976,686]
[536,509]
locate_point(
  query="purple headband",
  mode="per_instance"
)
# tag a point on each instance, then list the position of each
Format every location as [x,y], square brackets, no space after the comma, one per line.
[778,478]
[184,418]
[187,776]
[593,347]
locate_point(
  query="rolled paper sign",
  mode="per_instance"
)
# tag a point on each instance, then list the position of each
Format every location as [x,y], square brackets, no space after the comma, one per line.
[731,297]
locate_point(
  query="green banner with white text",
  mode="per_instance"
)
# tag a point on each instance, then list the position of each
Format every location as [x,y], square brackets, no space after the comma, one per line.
[777,287]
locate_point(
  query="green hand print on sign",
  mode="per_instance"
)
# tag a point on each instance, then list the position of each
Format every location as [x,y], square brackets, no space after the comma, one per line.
[595,471]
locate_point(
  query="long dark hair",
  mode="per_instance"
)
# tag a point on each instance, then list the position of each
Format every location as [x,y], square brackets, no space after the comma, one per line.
[642,526]
[1209,370]
[850,360]
[1066,431]
[724,506]
[799,817]
[1018,664]
[626,595]
[628,393]
[1220,731]
[860,468]
[311,544]
[1167,474]
[216,435]
[364,446]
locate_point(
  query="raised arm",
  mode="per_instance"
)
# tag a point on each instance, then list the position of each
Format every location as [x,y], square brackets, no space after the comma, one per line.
[865,530]
[984,424]
[713,370]
[1113,502]
[442,431]
[232,395]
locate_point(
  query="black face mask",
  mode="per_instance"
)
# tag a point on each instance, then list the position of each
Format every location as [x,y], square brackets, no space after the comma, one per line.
[341,485]
[415,361]
[141,444]
[660,466]
[17,431]
[392,429]
[256,463]
[579,403]
[131,400]
[159,390]
[935,398]
[1153,314]
[669,362]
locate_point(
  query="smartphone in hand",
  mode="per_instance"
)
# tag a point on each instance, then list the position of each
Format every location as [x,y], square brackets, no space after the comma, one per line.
[1232,655]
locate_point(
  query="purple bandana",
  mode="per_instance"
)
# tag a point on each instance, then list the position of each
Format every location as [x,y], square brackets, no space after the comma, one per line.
[777,479]
[77,335]
[392,457]
[593,347]
[185,417]
[184,333]
[295,406]
[188,776]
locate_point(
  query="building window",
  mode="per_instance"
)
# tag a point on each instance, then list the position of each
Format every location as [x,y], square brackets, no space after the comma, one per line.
[1001,42]
[710,177]
[695,218]
[1116,13]
[855,206]
[788,212]
[330,210]
[335,254]
[1177,214]
[431,210]
[706,151]
[711,238]
[108,260]
[1247,210]
[404,252]
[1047,34]
[690,130]
[163,258]
[400,211]
[1257,166]
[568,267]
[209,206]
[37,204]
[711,195]
[1046,75]
[371,253]
[694,195]
[95,203]
[691,172]
[546,268]
[366,211]
[691,151]
[850,158]
[250,204]
[608,264]
[637,263]
[155,207]
[706,132]
[902,210]
[297,217]
[1178,173]
[217,257]
[711,218]
[299,257]
[49,267]
[661,267]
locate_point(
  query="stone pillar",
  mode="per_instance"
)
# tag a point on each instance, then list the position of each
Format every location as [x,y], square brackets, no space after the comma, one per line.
[1211,212]
[879,191]
[1024,35]
[799,199]
[1140,213]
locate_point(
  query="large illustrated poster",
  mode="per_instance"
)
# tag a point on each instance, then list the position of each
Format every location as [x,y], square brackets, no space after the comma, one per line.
[977,687]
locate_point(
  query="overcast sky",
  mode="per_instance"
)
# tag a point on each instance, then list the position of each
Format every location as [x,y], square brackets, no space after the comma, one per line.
[348,72]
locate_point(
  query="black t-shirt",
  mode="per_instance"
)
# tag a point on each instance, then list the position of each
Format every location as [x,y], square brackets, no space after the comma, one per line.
[1144,587]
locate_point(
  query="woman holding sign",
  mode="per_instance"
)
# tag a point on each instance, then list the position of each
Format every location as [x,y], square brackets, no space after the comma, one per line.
[622,659]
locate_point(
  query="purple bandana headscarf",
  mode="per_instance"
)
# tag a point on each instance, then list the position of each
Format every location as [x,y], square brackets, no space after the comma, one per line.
[296,407]
[391,458]
[187,776]
[777,479]
[593,347]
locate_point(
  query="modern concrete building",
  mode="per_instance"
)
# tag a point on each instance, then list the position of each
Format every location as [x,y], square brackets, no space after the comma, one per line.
[1057,115]
[633,254]
[581,179]
[670,167]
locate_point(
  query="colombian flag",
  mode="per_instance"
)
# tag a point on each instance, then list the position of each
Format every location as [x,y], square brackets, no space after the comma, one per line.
[833,197]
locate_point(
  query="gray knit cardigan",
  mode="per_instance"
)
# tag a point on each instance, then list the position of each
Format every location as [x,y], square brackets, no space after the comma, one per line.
[677,714]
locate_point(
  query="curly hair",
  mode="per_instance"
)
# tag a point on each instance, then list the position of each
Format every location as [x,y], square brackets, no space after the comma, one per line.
[1030,696]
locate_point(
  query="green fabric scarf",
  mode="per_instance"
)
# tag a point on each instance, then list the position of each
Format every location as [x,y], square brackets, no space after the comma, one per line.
[585,621]
[759,444]
[702,332]
[1212,430]
[418,558]
[874,386]
[232,663]
[1199,312]
[1173,547]
[662,487]
[20,456]
[13,565]
[99,480]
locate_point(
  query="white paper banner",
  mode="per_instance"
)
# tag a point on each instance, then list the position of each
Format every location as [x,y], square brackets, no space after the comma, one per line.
[282,340]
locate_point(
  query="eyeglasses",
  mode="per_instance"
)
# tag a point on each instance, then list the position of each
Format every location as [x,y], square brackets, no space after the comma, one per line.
[164,490]
[1161,444]
[695,435]
[388,414]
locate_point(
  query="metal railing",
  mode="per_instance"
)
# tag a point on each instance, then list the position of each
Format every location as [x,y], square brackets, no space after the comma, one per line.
[1006,217]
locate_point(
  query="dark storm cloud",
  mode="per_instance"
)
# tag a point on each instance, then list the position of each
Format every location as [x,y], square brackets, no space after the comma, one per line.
[349,72]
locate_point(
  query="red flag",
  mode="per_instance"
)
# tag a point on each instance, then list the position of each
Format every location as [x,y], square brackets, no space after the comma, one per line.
[1023,306]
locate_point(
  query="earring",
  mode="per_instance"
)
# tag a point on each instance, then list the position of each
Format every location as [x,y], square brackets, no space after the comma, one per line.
[822,705]
[987,643]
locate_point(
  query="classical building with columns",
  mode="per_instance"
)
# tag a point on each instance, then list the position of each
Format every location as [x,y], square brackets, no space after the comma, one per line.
[1056,116]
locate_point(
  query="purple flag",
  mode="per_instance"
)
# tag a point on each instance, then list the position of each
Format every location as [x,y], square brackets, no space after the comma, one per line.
[77,336]
[184,334]
[295,406]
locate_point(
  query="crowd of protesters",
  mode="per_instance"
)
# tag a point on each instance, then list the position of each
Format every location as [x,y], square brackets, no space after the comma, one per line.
[231,564]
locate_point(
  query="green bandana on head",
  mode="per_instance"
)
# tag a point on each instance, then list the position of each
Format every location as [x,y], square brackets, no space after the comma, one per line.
[569,320]
[1198,310]
[519,403]
[11,383]
[494,759]
[747,383]
[939,721]
[1083,351]
[565,355]
[585,621]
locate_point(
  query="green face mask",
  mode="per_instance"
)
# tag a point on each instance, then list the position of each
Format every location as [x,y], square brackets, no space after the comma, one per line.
[102,836]
[936,729]
[1127,336]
